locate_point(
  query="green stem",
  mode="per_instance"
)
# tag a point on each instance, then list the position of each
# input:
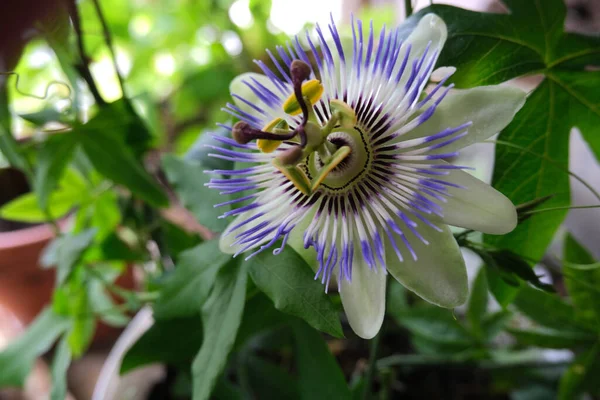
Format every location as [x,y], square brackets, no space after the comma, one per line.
[109,44]
[366,394]
[408,8]
[559,208]
[83,69]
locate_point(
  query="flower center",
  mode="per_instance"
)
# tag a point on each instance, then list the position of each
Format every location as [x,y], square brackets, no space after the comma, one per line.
[350,168]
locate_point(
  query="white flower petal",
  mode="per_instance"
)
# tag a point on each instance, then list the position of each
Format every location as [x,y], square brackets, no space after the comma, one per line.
[430,28]
[364,298]
[479,206]
[228,237]
[439,274]
[489,108]
[238,87]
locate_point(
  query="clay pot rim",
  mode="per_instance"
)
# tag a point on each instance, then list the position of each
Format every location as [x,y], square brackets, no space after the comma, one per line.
[27,236]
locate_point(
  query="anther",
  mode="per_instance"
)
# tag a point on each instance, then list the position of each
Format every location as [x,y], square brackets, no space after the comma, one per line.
[299,70]
[243,133]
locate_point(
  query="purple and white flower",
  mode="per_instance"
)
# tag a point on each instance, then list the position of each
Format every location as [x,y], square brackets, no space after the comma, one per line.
[341,150]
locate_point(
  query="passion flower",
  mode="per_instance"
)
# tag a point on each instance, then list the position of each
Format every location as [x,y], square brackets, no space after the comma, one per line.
[342,151]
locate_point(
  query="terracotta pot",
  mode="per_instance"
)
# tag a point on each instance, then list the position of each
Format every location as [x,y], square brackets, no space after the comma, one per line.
[25,288]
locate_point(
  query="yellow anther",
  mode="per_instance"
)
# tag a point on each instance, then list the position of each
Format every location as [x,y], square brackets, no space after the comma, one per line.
[311,90]
[269,146]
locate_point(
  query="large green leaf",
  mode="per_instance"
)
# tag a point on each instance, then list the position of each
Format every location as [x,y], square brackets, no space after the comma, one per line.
[189,180]
[541,128]
[186,290]
[221,316]
[318,371]
[583,285]
[492,48]
[113,139]
[173,341]
[290,283]
[17,359]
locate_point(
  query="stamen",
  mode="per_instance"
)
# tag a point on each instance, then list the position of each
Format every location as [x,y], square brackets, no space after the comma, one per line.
[243,133]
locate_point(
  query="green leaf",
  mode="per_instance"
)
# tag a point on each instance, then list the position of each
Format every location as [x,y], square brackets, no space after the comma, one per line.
[435,324]
[548,309]
[582,375]
[542,129]
[188,179]
[512,264]
[110,145]
[104,306]
[221,315]
[26,208]
[17,359]
[84,321]
[583,285]
[8,144]
[260,316]
[65,251]
[106,214]
[269,381]
[171,342]
[289,282]
[186,290]
[119,120]
[177,240]
[503,292]
[52,158]
[43,116]
[60,364]
[492,48]
[478,302]
[396,302]
[318,371]
[493,324]
[552,338]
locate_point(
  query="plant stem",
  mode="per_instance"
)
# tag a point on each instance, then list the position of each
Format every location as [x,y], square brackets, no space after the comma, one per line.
[84,69]
[408,10]
[366,394]
[109,44]
[559,208]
